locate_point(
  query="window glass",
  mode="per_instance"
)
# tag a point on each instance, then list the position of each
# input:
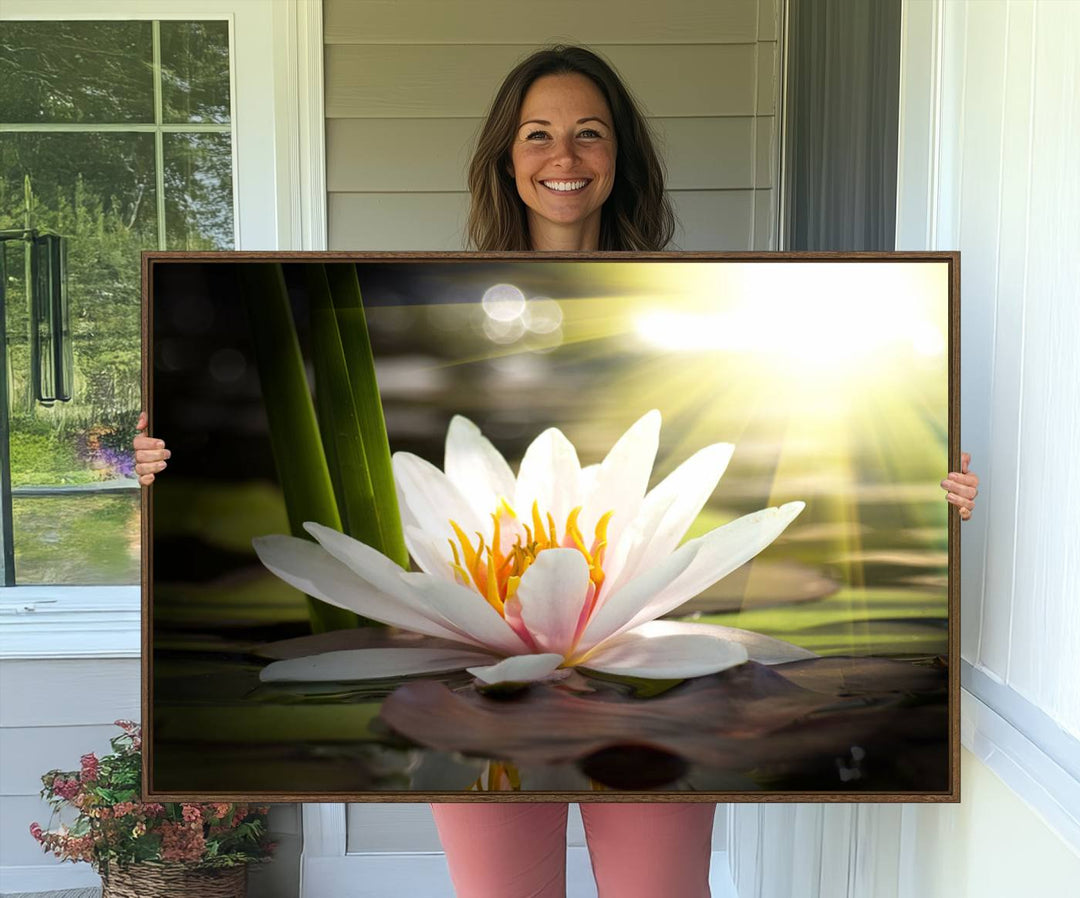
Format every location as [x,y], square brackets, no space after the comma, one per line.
[117,179]
[198,191]
[57,72]
[195,71]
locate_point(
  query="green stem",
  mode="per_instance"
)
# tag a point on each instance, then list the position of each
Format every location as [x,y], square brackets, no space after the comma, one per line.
[294,433]
[360,362]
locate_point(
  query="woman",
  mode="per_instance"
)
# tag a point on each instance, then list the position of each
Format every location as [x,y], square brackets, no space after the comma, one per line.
[565,163]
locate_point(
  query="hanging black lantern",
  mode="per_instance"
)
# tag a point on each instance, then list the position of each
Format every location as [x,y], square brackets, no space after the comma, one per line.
[51,360]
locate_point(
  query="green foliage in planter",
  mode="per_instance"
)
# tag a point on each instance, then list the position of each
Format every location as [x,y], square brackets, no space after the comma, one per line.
[113,827]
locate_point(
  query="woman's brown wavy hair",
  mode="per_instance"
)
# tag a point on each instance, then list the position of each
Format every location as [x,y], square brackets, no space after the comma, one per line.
[637,214]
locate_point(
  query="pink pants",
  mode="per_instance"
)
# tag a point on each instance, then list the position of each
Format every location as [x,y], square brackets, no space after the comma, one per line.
[647,850]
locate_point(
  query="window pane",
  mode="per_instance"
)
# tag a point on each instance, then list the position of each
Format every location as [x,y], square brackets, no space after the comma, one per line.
[198,191]
[195,71]
[97,190]
[76,72]
[78,540]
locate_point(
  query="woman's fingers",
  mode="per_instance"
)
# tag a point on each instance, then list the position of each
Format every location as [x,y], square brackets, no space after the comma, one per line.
[961,487]
[150,450]
[960,501]
[966,485]
[150,454]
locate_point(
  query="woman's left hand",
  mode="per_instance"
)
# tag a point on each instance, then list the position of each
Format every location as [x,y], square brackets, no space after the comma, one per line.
[961,487]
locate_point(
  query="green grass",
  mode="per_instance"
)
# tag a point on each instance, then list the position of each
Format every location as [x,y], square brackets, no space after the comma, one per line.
[78,540]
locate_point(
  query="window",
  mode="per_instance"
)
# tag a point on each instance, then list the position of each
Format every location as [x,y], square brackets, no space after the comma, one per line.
[117,136]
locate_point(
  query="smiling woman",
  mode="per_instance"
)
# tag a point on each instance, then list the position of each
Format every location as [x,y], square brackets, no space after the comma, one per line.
[563,117]
[563,159]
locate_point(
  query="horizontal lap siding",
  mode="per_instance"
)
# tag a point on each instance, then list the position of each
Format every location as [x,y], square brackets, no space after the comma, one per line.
[53,712]
[525,22]
[460,80]
[707,219]
[380,155]
[408,83]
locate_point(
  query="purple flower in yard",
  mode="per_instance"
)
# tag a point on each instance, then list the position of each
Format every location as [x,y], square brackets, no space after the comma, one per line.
[117,462]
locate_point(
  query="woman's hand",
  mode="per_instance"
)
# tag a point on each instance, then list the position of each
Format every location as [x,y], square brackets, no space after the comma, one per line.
[150,454]
[961,487]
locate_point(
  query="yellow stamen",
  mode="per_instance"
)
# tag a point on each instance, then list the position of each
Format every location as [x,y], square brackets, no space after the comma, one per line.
[466,546]
[496,575]
[602,525]
[493,596]
[574,533]
[511,587]
[538,524]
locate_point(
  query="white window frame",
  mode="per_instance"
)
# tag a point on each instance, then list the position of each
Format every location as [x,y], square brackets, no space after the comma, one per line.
[279,196]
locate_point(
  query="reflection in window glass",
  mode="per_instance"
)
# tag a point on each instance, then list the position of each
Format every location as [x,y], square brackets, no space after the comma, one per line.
[99,186]
[195,71]
[80,540]
[198,192]
[76,72]
[97,190]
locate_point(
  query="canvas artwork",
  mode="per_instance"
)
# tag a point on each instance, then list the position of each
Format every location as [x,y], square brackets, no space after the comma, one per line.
[496,527]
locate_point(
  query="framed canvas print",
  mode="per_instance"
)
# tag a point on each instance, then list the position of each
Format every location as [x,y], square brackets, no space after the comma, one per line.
[593,527]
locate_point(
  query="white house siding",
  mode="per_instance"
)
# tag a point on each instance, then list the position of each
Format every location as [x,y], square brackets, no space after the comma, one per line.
[53,711]
[408,83]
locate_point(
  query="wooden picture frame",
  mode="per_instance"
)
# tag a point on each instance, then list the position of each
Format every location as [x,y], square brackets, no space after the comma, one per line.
[836,376]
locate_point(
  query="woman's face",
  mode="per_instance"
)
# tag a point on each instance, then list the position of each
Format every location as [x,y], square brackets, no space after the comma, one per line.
[563,154]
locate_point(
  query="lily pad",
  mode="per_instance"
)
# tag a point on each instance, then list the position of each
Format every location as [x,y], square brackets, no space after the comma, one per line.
[741,720]
[760,584]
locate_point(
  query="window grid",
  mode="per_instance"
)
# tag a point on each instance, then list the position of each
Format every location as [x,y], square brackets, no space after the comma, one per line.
[158,128]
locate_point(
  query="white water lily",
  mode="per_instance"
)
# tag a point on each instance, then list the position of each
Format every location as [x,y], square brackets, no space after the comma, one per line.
[528,577]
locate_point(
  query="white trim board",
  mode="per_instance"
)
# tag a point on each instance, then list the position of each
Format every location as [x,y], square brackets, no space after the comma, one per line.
[1046,786]
[39,622]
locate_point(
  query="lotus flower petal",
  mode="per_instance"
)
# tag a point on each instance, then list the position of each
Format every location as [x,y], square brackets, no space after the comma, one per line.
[548,476]
[369,664]
[623,604]
[464,609]
[476,467]
[452,607]
[718,554]
[429,500]
[668,511]
[518,669]
[622,478]
[551,595]
[314,571]
[759,648]
[673,655]
[429,552]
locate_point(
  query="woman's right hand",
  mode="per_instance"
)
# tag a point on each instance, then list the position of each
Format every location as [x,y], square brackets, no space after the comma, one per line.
[150,454]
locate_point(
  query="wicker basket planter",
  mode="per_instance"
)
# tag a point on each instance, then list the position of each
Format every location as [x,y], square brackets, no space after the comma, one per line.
[149,880]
